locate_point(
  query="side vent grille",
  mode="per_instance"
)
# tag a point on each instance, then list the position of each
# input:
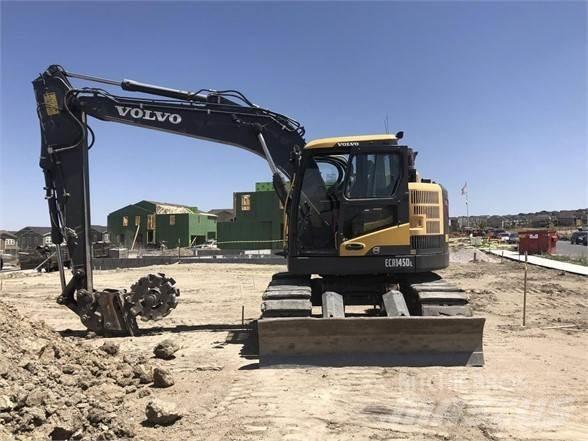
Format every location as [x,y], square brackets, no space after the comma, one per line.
[426,242]
[424,197]
[431,212]
[427,204]
[433,227]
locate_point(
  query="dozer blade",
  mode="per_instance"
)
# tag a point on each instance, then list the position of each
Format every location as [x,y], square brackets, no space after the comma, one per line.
[371,341]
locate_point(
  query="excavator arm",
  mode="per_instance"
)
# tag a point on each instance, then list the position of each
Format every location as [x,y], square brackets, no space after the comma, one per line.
[226,117]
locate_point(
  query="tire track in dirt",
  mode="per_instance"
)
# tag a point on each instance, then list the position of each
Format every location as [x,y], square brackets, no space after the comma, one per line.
[371,401]
[281,408]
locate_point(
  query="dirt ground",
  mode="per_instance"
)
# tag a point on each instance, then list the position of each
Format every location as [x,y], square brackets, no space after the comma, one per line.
[533,386]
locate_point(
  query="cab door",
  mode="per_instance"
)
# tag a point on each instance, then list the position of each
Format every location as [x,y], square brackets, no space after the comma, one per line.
[313,224]
[374,209]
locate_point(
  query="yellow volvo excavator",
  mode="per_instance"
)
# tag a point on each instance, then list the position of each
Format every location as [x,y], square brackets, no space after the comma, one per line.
[364,232]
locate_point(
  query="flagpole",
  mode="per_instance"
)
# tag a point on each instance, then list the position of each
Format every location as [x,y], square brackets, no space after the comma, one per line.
[465,192]
[467,207]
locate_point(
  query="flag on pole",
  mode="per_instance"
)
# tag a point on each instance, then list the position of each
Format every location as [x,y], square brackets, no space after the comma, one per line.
[464,189]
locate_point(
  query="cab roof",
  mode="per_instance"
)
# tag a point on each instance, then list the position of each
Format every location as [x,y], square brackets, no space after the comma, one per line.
[334,142]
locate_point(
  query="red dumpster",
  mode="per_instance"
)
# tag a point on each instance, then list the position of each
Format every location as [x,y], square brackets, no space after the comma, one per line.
[537,241]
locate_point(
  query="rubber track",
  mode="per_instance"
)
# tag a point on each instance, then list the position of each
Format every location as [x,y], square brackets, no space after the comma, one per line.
[438,298]
[287,296]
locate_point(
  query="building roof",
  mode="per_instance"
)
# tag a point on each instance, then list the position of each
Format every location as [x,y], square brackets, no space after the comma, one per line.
[38,230]
[221,210]
[7,233]
[168,208]
[161,208]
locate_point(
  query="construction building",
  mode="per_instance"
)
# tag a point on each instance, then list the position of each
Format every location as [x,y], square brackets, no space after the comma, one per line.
[153,224]
[8,242]
[99,233]
[258,220]
[223,214]
[30,238]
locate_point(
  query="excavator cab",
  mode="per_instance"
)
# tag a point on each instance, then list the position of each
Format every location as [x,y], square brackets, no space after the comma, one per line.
[345,192]
[358,207]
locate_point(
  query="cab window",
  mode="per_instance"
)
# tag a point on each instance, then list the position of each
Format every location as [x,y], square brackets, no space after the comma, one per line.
[373,175]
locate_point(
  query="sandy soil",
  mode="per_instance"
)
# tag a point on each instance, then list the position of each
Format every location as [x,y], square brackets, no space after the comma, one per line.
[532,387]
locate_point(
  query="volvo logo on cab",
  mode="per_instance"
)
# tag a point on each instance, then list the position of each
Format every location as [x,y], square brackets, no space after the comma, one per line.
[149,115]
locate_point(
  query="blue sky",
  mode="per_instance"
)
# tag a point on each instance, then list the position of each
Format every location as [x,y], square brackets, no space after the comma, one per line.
[494,94]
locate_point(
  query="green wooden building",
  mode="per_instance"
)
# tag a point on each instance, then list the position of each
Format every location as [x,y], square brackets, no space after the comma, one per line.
[258,221]
[152,224]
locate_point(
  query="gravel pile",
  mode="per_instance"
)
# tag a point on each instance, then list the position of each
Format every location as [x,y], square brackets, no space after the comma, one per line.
[60,388]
